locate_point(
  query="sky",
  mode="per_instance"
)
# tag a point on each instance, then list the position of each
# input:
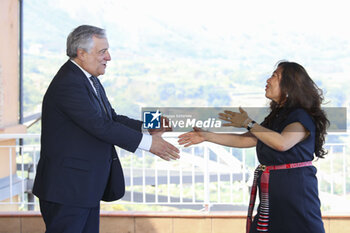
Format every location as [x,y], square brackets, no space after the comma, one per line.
[311,16]
[251,34]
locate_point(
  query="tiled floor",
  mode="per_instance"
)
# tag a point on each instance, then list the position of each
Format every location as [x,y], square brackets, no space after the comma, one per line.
[156,223]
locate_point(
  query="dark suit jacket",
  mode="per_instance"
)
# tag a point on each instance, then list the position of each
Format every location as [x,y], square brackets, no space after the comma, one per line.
[77,141]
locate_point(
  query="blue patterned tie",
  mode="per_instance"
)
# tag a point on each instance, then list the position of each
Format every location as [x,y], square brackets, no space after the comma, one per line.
[98,91]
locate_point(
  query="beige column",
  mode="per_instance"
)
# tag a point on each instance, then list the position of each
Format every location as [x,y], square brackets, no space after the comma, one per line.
[9,84]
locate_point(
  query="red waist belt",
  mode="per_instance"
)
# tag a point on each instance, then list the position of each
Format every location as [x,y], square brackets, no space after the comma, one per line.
[263,218]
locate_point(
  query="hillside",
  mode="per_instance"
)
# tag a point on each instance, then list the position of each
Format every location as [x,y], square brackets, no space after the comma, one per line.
[179,60]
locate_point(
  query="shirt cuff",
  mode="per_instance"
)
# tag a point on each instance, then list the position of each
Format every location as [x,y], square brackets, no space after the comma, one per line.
[146,142]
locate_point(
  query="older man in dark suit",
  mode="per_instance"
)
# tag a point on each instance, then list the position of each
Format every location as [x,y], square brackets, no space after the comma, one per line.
[79,131]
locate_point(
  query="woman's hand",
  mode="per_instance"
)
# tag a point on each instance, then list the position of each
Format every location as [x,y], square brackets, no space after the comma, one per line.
[192,138]
[237,119]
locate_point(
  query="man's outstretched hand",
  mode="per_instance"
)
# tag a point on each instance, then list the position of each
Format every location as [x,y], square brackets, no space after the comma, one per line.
[163,149]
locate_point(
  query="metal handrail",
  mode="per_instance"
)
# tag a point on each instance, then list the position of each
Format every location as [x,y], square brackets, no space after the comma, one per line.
[195,182]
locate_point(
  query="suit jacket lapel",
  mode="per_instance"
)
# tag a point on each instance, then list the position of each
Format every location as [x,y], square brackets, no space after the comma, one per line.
[105,101]
[90,88]
[82,76]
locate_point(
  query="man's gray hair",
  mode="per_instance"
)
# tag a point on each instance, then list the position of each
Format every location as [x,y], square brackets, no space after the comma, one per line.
[81,38]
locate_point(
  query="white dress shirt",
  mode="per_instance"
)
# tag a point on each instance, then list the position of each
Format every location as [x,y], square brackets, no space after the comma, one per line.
[146,140]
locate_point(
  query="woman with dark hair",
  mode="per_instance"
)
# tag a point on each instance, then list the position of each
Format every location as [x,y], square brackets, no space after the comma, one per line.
[286,143]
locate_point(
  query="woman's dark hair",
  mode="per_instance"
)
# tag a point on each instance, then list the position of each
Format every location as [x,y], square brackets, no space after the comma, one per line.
[299,91]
